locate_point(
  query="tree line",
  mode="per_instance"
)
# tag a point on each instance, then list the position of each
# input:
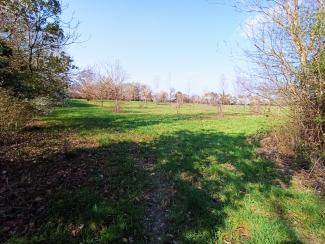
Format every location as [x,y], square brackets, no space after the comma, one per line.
[111,84]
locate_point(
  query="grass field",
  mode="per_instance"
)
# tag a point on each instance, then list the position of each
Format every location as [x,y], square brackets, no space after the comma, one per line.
[163,177]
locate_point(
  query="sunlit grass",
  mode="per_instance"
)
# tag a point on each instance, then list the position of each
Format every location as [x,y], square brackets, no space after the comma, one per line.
[224,191]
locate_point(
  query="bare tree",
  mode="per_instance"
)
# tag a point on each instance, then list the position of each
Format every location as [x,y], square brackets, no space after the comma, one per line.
[179,101]
[104,88]
[131,92]
[255,104]
[117,76]
[220,99]
[288,49]
[85,87]
[145,93]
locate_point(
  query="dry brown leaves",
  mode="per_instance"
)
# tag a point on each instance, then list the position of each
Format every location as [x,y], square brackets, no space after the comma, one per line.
[34,165]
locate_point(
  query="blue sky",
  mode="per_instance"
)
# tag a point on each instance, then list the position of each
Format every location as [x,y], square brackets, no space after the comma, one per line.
[184,44]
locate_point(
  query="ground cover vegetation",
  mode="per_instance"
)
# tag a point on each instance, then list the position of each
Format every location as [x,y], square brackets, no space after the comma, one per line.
[148,174]
[89,156]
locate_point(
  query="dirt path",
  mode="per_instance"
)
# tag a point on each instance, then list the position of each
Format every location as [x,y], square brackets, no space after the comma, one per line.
[157,203]
[156,210]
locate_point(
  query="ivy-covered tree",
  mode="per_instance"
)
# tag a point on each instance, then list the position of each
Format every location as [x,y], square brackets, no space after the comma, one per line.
[32,41]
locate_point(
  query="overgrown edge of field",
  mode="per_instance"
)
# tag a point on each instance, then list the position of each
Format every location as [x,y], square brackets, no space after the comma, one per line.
[288,163]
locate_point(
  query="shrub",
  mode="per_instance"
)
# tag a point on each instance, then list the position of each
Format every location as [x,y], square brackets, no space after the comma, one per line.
[14,113]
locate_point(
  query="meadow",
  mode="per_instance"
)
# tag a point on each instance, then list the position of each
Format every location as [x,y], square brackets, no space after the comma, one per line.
[150,175]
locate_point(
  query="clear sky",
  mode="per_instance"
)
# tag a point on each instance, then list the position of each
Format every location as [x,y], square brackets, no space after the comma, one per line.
[184,44]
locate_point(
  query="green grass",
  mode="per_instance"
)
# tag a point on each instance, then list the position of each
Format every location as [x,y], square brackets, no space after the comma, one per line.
[223,190]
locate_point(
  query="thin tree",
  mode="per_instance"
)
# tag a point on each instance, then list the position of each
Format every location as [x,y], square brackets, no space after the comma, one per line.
[221,97]
[117,75]
[179,101]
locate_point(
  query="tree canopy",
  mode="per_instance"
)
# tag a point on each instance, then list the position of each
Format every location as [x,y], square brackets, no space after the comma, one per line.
[33,61]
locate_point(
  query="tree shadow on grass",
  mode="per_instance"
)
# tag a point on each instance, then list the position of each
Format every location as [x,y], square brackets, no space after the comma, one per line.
[212,173]
[88,122]
[78,103]
[99,193]
[78,195]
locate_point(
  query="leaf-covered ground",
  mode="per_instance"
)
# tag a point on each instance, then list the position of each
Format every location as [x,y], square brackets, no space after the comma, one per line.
[149,175]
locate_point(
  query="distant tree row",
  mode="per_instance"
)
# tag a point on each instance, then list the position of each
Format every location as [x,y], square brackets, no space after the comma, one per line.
[110,84]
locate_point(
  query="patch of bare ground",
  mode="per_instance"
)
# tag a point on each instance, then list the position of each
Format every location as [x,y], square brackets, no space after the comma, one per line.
[157,202]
